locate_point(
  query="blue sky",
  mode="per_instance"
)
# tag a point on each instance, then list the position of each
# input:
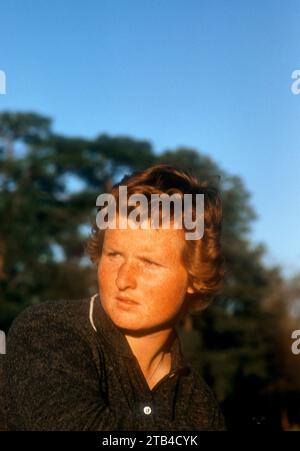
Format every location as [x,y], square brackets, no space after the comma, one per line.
[211,75]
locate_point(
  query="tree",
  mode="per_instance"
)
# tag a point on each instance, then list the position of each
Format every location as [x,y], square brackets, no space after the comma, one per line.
[48,188]
[49,184]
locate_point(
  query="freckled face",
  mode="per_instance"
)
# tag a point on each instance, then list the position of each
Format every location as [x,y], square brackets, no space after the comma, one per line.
[143,265]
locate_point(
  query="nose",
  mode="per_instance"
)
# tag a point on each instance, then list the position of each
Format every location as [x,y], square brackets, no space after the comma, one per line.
[126,277]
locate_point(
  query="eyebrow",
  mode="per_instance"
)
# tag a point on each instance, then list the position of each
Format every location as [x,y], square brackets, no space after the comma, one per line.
[144,256]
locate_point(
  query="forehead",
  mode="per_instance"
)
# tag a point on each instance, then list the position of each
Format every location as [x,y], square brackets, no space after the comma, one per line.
[152,241]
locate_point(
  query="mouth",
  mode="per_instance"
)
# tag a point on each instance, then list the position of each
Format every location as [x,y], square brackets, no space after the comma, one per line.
[126,300]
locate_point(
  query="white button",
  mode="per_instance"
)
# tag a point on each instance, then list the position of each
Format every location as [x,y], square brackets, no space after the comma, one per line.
[147,410]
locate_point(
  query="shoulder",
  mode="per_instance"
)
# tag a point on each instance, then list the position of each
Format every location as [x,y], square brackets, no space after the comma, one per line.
[52,368]
[201,387]
[204,404]
[55,336]
[50,320]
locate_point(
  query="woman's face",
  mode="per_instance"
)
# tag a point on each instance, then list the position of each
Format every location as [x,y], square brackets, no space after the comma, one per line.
[142,265]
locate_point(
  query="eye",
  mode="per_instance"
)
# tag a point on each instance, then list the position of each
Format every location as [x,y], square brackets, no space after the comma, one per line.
[112,254]
[150,262]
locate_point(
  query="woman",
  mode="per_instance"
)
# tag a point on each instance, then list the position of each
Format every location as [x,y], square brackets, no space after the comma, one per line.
[114,361]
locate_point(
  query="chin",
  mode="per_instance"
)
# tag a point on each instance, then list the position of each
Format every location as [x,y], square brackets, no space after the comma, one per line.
[124,319]
[125,323]
[133,318]
[129,324]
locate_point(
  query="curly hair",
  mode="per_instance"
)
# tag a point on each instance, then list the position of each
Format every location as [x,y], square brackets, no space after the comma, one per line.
[202,257]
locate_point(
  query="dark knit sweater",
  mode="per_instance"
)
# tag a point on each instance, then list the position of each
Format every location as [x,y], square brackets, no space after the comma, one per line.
[68,367]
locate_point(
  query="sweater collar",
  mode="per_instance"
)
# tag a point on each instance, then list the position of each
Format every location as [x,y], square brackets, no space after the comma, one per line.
[115,339]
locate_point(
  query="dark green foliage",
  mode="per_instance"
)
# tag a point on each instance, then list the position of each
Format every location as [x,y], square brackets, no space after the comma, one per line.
[48,189]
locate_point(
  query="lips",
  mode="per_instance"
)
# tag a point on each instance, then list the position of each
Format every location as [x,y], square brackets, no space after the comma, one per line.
[126,300]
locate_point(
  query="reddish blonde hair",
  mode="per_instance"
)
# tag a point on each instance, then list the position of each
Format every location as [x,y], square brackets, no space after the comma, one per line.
[202,257]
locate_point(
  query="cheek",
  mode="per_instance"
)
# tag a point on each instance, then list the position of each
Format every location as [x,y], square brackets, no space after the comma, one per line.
[168,287]
[105,276]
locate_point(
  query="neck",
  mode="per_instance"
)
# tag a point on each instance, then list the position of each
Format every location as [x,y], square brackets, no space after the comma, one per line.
[153,352]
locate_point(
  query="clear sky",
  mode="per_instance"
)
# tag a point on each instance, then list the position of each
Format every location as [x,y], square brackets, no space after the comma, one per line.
[211,75]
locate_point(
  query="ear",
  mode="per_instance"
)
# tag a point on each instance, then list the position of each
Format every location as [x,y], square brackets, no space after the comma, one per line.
[190,290]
